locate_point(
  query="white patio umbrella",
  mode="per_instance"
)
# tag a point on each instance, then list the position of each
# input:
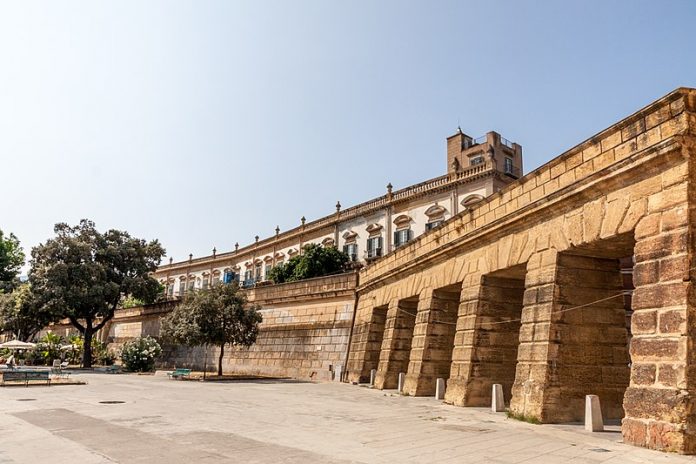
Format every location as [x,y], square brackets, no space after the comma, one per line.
[17,345]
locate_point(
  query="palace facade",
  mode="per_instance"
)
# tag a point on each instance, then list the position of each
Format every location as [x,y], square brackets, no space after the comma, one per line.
[476,168]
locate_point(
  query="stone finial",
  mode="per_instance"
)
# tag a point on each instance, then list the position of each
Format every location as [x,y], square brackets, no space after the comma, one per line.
[171,260]
[190,257]
[303,220]
[256,239]
[214,251]
[236,246]
[389,191]
[338,206]
[277,230]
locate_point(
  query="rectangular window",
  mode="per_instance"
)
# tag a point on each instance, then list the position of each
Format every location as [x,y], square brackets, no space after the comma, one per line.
[433,224]
[248,278]
[192,284]
[216,279]
[182,287]
[206,281]
[257,274]
[476,160]
[170,289]
[267,274]
[228,277]
[508,165]
[374,247]
[401,237]
[351,249]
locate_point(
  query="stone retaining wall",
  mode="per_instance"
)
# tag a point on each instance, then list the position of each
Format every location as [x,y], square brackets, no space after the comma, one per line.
[304,333]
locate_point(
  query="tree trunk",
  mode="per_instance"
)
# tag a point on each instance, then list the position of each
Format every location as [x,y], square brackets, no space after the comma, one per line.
[87,345]
[222,354]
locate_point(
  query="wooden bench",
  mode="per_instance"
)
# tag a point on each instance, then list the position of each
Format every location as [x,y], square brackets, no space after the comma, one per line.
[179,373]
[26,376]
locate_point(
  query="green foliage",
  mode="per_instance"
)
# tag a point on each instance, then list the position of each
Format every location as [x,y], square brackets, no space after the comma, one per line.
[48,348]
[215,316]
[139,355]
[131,302]
[102,354]
[74,355]
[83,275]
[11,261]
[22,315]
[315,261]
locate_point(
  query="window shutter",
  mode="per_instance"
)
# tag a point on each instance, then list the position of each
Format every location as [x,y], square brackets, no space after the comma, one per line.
[370,245]
[379,242]
[396,238]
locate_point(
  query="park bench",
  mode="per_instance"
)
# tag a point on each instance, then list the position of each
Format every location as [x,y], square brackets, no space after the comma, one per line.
[179,373]
[25,376]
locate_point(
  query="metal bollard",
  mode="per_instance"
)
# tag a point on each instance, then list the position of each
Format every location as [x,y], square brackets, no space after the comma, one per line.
[373,374]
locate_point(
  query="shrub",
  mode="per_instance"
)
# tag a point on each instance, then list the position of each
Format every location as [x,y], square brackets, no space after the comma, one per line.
[101,353]
[315,261]
[139,355]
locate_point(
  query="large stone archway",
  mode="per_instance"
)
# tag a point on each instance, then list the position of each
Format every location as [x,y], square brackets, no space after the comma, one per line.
[553,243]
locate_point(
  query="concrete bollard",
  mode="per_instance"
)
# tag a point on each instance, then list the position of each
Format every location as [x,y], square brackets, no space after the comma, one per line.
[497,399]
[402,380]
[373,374]
[593,414]
[440,389]
[338,370]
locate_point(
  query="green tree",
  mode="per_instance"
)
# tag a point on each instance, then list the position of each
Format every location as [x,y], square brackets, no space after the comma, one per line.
[11,261]
[315,261]
[216,316]
[82,274]
[22,315]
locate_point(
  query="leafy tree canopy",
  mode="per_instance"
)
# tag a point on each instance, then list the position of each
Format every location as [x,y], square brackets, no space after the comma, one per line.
[22,315]
[315,261]
[11,261]
[216,316]
[83,274]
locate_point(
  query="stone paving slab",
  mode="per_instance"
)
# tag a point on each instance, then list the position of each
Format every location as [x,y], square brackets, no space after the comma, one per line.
[163,421]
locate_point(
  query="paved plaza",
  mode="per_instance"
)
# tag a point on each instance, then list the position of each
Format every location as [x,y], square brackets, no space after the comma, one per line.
[164,421]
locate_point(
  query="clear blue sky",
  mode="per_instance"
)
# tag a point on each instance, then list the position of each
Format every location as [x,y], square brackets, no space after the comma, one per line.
[202,123]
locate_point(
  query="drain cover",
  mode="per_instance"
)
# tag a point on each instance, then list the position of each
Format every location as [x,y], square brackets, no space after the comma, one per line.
[111,402]
[26,399]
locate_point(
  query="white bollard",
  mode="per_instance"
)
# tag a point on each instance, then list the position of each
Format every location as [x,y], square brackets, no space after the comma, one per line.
[440,389]
[402,380]
[373,374]
[497,399]
[338,370]
[593,414]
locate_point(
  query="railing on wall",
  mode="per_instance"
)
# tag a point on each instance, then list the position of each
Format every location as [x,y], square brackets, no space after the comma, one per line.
[354,211]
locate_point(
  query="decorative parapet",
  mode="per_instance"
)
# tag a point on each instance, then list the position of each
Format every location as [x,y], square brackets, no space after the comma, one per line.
[406,194]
